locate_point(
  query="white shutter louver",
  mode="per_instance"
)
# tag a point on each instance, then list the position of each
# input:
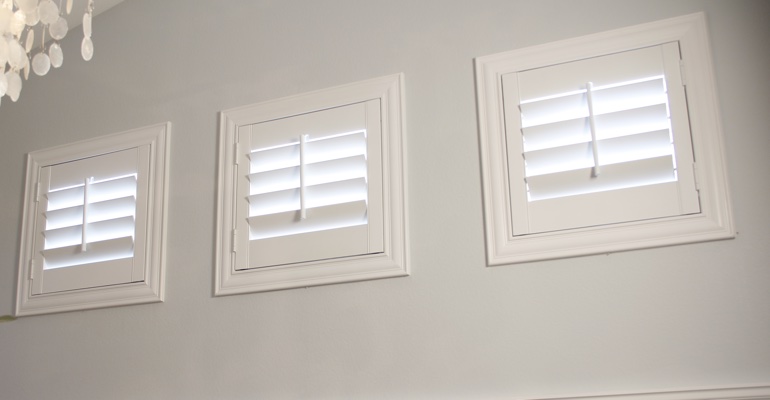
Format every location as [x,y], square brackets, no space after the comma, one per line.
[625,132]
[308,176]
[596,147]
[87,221]
[328,177]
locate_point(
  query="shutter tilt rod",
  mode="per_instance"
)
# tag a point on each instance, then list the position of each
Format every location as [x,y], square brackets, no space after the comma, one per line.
[83,240]
[302,209]
[594,145]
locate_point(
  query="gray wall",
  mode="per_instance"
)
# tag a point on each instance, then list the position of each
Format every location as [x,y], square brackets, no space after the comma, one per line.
[682,317]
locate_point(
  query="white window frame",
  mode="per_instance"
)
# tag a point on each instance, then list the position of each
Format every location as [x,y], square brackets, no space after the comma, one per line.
[149,233]
[712,223]
[391,262]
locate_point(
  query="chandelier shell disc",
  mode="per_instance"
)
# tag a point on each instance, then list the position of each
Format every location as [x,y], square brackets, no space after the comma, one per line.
[87,48]
[41,64]
[56,55]
[14,85]
[58,29]
[49,11]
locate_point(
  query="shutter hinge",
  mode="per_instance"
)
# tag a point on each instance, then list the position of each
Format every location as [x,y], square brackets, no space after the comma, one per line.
[32,269]
[37,192]
[682,73]
[235,241]
[237,155]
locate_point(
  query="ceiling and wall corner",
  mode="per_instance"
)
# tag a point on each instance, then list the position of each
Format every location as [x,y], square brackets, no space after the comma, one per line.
[672,319]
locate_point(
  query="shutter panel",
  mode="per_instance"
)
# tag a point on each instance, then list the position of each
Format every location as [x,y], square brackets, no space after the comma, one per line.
[595,132]
[309,195]
[86,221]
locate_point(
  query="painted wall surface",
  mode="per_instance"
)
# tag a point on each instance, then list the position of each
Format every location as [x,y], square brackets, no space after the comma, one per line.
[682,317]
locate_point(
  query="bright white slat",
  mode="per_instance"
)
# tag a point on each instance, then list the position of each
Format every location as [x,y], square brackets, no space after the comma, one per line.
[613,119]
[629,122]
[61,237]
[317,196]
[611,151]
[97,231]
[63,217]
[112,209]
[320,218]
[273,202]
[116,208]
[112,189]
[114,249]
[315,174]
[274,181]
[110,229]
[556,134]
[612,177]
[275,158]
[635,147]
[310,246]
[65,198]
[571,156]
[336,192]
[336,170]
[629,96]
[330,148]
[558,159]
[99,191]
[317,149]
[554,110]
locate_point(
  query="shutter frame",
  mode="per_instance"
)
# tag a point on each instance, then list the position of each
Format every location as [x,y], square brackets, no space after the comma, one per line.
[502,208]
[647,66]
[333,135]
[76,251]
[386,254]
[134,280]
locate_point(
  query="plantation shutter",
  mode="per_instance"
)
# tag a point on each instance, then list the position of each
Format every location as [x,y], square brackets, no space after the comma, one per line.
[86,221]
[311,193]
[599,141]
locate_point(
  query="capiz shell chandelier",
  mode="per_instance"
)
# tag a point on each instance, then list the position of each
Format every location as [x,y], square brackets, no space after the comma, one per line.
[39,25]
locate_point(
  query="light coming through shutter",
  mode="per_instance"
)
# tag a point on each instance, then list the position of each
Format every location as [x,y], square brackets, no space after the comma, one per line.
[94,223]
[90,222]
[87,221]
[309,186]
[596,140]
[326,175]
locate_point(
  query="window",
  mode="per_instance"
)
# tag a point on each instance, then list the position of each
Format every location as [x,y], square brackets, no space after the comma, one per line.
[602,143]
[308,175]
[311,189]
[93,229]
